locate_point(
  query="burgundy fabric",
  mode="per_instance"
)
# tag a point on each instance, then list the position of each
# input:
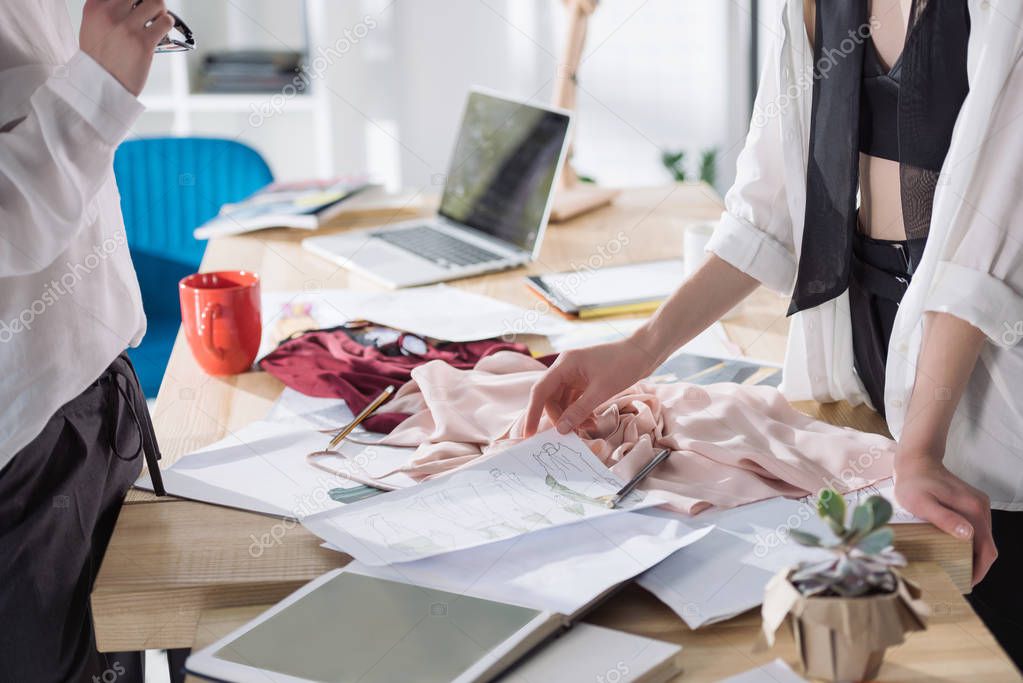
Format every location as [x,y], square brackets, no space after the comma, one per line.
[331,364]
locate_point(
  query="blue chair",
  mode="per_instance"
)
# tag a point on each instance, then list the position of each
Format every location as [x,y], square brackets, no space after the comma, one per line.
[168,187]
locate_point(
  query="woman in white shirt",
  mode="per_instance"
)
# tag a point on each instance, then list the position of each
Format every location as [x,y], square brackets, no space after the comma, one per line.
[74,423]
[910,298]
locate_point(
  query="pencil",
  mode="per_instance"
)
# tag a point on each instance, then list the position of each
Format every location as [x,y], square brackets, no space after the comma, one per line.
[640,476]
[366,412]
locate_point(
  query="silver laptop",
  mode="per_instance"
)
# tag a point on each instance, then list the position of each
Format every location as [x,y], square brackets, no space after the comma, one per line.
[494,208]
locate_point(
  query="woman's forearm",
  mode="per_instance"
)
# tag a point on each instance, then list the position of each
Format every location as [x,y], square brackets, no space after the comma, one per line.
[701,300]
[948,354]
[923,485]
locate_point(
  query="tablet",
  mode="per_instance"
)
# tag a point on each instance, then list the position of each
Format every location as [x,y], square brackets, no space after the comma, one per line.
[348,627]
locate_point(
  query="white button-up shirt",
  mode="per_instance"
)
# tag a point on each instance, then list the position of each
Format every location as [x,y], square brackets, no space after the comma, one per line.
[70,301]
[972,267]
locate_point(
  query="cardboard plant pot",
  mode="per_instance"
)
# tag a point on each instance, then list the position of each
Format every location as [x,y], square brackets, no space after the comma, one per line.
[843,639]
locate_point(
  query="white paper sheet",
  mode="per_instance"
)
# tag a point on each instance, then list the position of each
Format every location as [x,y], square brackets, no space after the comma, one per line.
[454,314]
[546,481]
[713,342]
[725,573]
[559,569]
[708,582]
[437,311]
[772,672]
[262,467]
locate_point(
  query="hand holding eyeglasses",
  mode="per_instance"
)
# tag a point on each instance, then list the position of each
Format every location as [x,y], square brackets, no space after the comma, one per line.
[123,35]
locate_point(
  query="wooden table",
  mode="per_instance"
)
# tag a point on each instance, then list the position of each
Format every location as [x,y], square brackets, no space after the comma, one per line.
[956,646]
[171,561]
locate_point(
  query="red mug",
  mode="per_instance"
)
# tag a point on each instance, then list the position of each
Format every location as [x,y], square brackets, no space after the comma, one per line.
[220,314]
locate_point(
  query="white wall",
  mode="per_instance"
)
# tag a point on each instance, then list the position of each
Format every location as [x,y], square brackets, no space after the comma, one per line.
[657,74]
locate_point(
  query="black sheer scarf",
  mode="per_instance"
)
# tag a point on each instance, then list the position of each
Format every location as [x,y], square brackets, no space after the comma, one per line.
[933,84]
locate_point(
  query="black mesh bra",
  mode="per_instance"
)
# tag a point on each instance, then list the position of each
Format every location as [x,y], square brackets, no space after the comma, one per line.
[905,114]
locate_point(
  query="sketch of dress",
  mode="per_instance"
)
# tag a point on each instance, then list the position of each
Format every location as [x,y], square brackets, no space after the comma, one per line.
[465,506]
[564,464]
[531,507]
[408,541]
[539,486]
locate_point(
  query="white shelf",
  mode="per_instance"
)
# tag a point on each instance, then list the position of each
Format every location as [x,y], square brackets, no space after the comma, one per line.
[224,102]
[175,96]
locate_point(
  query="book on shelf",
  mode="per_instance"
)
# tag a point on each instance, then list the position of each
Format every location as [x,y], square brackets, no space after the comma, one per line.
[224,84]
[237,71]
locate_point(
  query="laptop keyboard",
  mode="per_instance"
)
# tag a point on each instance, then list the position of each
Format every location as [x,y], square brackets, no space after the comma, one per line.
[437,246]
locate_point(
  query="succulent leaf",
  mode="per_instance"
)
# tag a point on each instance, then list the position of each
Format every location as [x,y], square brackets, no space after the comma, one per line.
[891,558]
[831,507]
[812,571]
[803,538]
[881,510]
[862,560]
[876,541]
[862,523]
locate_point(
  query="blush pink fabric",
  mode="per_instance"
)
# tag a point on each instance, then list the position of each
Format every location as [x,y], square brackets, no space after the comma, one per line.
[732,444]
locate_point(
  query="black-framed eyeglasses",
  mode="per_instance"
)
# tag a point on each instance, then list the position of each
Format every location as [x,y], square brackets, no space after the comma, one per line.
[180,39]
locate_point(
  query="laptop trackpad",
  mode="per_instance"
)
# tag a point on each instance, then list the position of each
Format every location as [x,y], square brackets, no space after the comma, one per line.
[386,260]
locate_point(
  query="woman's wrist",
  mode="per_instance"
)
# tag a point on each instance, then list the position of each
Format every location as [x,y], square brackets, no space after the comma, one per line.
[704,297]
[917,455]
[651,341]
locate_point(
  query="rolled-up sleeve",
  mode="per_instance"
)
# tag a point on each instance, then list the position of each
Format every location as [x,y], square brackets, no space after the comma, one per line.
[755,230]
[979,277]
[54,160]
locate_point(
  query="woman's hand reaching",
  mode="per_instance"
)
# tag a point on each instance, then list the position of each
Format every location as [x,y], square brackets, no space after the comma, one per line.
[582,379]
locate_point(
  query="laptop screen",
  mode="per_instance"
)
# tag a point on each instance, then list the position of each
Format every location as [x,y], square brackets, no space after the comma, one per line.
[503,168]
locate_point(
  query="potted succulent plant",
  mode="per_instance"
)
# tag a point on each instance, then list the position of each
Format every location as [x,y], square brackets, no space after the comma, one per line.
[847,609]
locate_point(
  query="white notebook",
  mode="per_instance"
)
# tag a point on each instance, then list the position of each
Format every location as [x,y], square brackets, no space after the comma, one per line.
[347,627]
[617,285]
[588,653]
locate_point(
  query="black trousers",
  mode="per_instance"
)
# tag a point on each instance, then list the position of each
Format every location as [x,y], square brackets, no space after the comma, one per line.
[880,274]
[59,500]
[998,599]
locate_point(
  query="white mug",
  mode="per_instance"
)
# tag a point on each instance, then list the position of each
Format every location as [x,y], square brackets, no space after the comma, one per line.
[694,244]
[694,247]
